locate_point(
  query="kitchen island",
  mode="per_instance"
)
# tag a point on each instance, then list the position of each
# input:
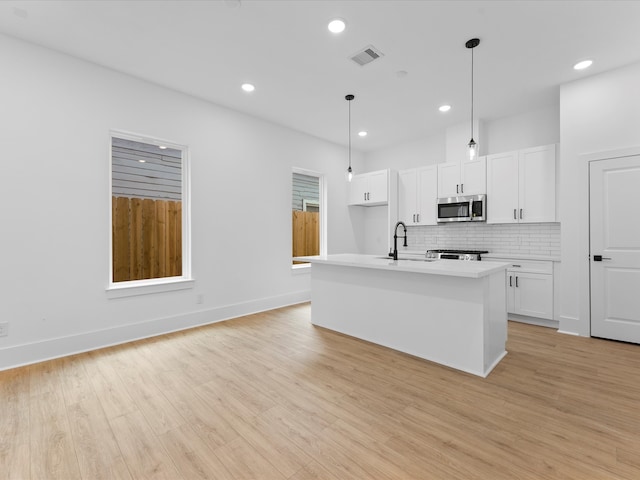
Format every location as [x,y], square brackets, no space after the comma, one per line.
[447,311]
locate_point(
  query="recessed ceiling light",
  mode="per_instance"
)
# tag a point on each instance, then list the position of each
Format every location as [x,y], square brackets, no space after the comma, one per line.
[362,134]
[142,161]
[444,108]
[247,87]
[337,25]
[582,65]
[162,147]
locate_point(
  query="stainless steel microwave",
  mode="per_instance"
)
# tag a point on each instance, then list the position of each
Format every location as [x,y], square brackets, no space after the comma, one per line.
[469,208]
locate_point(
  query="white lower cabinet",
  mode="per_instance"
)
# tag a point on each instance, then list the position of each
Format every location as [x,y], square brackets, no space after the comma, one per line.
[530,294]
[530,288]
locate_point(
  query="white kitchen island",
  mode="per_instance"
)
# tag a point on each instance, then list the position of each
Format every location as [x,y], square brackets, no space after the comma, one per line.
[448,311]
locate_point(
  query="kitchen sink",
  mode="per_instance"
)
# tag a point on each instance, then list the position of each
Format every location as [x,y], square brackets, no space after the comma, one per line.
[410,259]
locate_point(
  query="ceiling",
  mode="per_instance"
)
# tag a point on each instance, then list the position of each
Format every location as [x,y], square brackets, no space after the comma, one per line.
[302,72]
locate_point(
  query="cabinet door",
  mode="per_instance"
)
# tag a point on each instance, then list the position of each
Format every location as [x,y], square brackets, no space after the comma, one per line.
[448,179]
[407,195]
[358,190]
[427,179]
[511,292]
[533,294]
[537,184]
[378,187]
[502,188]
[473,177]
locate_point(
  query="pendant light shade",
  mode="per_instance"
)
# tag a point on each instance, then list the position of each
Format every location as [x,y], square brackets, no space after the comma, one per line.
[472,145]
[348,98]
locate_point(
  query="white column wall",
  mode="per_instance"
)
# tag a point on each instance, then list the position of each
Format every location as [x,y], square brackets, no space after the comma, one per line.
[598,113]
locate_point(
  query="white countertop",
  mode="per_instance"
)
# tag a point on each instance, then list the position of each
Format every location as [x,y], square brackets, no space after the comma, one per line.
[455,268]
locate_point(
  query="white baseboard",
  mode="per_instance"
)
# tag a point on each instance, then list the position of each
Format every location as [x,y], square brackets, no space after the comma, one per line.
[26,354]
[571,326]
[541,322]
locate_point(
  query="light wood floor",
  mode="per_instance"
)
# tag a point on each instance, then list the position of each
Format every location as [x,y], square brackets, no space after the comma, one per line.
[271,397]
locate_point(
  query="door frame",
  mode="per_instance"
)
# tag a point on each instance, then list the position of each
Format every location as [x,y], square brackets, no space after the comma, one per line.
[584,245]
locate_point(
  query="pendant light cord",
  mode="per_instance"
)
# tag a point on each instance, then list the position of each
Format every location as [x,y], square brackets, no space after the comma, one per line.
[472,93]
[349,134]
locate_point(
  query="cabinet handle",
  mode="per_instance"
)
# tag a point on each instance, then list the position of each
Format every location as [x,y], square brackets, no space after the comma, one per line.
[365,196]
[368,196]
[418,217]
[516,281]
[514,214]
[414,218]
[462,188]
[520,214]
[457,188]
[510,281]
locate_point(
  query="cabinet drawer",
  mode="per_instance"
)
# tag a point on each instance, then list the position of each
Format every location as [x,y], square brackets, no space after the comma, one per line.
[533,266]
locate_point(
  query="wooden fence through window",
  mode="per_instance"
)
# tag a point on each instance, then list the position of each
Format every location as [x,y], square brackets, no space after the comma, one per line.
[147,238]
[306,233]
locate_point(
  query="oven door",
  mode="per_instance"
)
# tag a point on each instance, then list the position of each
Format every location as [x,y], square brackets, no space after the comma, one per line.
[454,209]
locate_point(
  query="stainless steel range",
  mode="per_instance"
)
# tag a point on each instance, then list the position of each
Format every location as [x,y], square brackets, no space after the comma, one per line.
[468,255]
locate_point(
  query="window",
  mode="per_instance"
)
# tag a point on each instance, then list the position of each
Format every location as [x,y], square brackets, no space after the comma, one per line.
[307,205]
[149,211]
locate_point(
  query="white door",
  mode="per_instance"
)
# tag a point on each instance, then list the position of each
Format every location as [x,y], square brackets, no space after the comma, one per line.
[615,248]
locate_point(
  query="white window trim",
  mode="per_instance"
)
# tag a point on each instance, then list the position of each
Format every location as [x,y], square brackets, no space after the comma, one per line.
[322,202]
[164,284]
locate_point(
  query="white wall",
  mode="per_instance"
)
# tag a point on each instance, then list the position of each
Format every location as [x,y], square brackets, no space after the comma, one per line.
[55,121]
[530,129]
[426,151]
[599,113]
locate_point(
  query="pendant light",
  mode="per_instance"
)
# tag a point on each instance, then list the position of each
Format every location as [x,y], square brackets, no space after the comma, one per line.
[473,146]
[348,98]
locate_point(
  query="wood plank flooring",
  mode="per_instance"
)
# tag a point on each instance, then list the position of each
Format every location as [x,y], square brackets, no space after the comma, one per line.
[271,397]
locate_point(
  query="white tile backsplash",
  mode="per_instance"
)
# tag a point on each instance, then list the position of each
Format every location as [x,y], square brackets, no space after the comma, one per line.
[524,238]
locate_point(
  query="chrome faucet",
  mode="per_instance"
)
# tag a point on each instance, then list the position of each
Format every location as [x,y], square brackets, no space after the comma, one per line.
[395,239]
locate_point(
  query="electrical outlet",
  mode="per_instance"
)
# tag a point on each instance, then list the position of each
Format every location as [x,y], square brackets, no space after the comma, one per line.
[4,329]
[200,298]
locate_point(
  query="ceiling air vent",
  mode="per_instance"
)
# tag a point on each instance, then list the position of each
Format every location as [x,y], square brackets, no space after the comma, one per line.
[367,55]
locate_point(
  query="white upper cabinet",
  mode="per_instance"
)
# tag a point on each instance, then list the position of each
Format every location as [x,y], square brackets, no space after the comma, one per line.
[417,194]
[502,187]
[537,182]
[521,186]
[448,179]
[369,189]
[466,178]
[473,176]
[407,195]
